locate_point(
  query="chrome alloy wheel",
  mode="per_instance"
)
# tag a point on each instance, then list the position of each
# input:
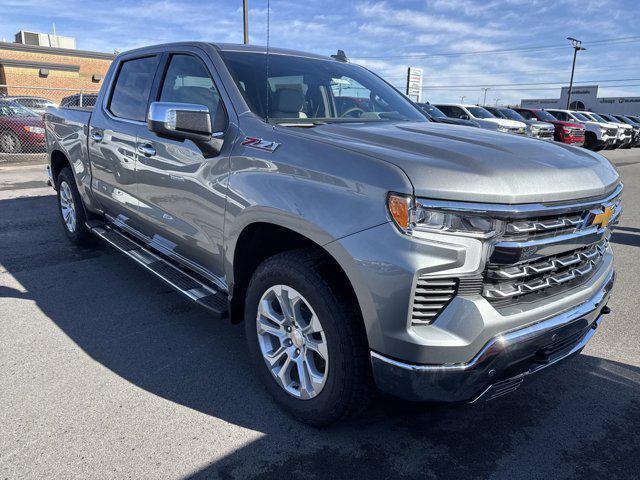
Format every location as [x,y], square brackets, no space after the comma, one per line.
[67,207]
[292,342]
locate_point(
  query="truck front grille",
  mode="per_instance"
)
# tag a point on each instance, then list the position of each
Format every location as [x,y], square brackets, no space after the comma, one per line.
[546,253]
[517,280]
[431,296]
[612,132]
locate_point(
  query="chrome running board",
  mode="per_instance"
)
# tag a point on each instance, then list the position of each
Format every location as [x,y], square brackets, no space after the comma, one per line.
[188,285]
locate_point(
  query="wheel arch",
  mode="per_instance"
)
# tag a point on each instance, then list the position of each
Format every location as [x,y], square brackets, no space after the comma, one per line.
[260,240]
[58,161]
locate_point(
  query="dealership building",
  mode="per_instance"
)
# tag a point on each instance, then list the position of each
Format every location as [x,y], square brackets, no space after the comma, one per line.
[586,98]
[49,66]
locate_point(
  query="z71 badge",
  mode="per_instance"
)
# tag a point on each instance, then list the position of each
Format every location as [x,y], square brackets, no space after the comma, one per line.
[260,144]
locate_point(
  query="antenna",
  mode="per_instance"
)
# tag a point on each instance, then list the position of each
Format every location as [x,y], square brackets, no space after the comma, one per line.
[266,62]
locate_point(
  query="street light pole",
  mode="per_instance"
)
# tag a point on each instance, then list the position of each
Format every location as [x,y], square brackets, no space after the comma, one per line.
[577,45]
[462,97]
[245,15]
[484,100]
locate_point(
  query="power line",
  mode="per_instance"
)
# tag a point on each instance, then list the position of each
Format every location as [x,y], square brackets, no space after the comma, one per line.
[524,89]
[594,43]
[528,73]
[429,87]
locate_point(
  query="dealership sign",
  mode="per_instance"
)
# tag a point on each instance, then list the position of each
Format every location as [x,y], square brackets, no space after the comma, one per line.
[414,82]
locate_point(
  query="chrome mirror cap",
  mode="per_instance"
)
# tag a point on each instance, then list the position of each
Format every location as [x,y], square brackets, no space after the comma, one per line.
[180,120]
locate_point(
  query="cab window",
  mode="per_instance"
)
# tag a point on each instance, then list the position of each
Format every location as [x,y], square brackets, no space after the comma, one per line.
[188,81]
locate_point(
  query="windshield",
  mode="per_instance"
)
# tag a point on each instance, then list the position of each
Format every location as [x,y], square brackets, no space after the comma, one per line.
[512,114]
[14,109]
[598,118]
[301,89]
[581,117]
[433,111]
[546,116]
[479,112]
[607,118]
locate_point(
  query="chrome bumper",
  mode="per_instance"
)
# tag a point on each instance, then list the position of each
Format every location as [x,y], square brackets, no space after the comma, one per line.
[502,364]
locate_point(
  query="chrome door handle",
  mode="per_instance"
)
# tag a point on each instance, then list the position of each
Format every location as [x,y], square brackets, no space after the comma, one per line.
[147,150]
[96,136]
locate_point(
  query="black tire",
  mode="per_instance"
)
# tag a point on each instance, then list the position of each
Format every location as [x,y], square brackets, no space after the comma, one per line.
[9,142]
[591,141]
[80,234]
[349,385]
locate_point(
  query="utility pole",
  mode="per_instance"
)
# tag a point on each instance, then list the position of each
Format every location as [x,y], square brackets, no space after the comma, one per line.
[484,100]
[497,100]
[245,14]
[577,46]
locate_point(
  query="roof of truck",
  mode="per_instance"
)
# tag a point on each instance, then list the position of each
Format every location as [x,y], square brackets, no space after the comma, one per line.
[237,47]
[233,47]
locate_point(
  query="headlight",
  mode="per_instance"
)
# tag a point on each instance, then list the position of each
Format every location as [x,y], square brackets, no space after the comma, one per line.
[31,129]
[410,217]
[503,128]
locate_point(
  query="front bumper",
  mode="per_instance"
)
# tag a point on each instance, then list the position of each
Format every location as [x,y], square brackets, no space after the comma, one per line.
[503,363]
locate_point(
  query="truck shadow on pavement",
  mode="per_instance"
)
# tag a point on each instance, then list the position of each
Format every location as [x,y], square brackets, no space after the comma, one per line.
[579,420]
[626,236]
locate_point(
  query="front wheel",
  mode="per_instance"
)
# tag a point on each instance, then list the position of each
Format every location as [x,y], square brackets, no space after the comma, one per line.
[9,142]
[307,338]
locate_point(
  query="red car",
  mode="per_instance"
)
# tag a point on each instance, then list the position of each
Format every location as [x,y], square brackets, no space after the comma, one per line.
[566,132]
[21,130]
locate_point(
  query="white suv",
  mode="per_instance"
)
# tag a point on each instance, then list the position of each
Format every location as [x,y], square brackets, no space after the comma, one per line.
[484,118]
[625,131]
[597,135]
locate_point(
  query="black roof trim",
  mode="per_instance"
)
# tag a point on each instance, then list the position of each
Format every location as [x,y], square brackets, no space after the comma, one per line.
[10,62]
[56,51]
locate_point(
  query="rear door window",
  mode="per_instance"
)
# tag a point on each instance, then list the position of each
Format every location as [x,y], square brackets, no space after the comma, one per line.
[131,91]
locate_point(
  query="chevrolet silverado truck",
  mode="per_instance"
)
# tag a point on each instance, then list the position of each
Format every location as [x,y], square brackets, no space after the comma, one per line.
[360,249]
[565,132]
[535,128]
[597,136]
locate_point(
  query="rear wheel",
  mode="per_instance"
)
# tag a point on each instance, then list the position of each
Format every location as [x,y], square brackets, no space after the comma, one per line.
[307,339]
[71,209]
[9,142]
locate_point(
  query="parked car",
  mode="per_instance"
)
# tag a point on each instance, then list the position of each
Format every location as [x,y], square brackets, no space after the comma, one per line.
[565,132]
[625,131]
[623,137]
[636,127]
[36,104]
[485,119]
[21,129]
[597,135]
[439,117]
[435,262]
[85,100]
[535,128]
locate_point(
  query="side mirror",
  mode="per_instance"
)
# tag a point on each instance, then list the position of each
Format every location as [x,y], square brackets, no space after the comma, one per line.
[180,120]
[465,117]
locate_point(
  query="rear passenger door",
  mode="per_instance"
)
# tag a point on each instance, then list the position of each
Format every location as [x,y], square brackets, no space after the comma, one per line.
[115,126]
[182,183]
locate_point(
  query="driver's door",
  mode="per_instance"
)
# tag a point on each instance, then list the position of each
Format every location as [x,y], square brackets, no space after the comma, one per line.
[182,183]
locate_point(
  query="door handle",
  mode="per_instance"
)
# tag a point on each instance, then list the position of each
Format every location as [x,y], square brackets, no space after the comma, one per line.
[147,150]
[96,136]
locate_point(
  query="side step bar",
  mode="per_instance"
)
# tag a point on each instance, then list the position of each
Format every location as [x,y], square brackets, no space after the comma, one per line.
[192,288]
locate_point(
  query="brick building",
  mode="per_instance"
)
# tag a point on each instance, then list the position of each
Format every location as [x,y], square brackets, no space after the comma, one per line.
[36,70]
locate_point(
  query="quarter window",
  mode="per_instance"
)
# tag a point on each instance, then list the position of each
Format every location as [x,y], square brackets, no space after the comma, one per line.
[131,91]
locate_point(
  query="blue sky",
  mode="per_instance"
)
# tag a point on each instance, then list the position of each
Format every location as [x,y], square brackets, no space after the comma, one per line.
[386,36]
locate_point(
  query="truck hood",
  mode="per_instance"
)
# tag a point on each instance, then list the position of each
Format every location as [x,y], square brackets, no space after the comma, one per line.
[469,164]
[502,121]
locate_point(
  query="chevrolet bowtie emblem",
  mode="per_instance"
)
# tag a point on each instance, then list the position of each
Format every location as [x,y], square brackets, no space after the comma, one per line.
[602,218]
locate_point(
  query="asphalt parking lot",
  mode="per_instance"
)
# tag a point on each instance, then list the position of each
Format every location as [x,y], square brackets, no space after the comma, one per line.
[107,373]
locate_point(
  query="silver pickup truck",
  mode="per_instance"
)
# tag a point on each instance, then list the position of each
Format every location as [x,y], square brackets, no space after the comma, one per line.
[361,245]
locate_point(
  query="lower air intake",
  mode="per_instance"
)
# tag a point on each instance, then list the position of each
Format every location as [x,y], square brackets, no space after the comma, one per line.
[431,296]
